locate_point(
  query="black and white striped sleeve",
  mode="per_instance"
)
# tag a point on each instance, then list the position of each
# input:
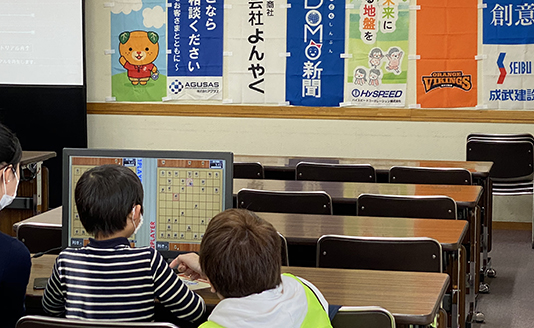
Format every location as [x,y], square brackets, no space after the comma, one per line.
[173,293]
[54,297]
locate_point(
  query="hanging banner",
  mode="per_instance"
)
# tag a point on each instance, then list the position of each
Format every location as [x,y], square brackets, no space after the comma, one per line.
[195,39]
[255,52]
[377,61]
[315,42]
[447,44]
[138,60]
[508,43]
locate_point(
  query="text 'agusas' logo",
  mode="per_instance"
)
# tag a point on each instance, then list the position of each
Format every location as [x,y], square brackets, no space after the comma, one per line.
[454,79]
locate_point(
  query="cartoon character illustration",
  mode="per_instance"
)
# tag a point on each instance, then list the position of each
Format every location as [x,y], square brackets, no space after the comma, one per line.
[359,76]
[139,49]
[375,57]
[374,77]
[394,57]
[313,50]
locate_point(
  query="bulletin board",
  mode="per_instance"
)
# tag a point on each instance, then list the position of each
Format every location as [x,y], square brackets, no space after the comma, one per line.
[262,69]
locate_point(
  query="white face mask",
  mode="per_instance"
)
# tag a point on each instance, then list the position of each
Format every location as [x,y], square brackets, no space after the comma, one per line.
[140,221]
[6,200]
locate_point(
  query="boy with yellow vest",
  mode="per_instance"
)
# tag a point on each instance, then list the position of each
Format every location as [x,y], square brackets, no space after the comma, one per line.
[240,255]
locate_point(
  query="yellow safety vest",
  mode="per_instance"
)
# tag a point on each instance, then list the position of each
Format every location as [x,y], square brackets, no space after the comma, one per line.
[316,317]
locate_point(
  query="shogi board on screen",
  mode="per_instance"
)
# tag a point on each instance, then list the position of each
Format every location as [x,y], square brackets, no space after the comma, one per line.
[182,192]
[189,193]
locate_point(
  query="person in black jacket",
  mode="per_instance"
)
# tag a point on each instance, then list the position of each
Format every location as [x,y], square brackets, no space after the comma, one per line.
[15,261]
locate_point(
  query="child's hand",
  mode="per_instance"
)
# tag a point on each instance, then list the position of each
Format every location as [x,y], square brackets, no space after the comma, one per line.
[189,265]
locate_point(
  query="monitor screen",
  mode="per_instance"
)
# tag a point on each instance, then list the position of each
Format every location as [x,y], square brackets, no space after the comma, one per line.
[183,190]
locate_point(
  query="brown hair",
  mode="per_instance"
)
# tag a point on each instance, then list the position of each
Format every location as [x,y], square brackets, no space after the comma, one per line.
[240,254]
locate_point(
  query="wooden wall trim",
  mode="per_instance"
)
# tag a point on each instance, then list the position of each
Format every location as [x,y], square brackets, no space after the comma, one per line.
[502,225]
[334,113]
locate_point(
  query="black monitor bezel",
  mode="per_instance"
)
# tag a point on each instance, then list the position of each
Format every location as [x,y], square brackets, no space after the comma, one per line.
[125,153]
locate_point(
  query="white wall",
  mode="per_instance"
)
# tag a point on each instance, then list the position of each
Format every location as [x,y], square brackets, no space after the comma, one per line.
[372,139]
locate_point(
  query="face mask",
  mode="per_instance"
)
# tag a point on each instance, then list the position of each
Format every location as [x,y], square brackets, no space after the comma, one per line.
[8,199]
[140,221]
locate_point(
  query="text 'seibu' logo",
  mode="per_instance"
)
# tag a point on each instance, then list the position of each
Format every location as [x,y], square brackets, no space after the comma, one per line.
[515,68]
[454,79]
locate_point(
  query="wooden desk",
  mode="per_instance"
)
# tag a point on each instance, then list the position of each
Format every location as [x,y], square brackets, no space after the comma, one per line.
[412,297]
[302,232]
[32,195]
[30,156]
[281,164]
[305,229]
[52,217]
[283,167]
[348,192]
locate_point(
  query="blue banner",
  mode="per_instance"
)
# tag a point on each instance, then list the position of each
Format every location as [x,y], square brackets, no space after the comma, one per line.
[195,37]
[508,22]
[315,41]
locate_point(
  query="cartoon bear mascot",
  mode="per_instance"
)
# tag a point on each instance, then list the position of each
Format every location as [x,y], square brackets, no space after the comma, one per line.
[138,51]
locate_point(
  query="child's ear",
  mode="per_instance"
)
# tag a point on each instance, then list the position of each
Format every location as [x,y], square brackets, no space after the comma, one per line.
[136,211]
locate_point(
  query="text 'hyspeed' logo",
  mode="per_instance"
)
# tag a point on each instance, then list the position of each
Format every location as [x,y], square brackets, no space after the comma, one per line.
[453,79]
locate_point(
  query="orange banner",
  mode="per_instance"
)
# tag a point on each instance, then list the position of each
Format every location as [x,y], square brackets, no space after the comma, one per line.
[447,44]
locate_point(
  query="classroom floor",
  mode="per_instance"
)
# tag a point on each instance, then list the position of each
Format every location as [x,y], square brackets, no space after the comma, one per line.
[509,303]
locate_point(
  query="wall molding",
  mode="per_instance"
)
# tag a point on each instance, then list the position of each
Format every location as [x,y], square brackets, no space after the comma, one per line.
[329,113]
[505,225]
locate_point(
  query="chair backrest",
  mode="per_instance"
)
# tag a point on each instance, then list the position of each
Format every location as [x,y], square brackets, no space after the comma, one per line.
[429,175]
[285,251]
[363,316]
[335,172]
[496,137]
[251,170]
[36,321]
[430,207]
[302,202]
[379,253]
[40,237]
[512,159]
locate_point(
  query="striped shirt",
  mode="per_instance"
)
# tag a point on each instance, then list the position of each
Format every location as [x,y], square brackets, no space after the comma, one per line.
[109,280]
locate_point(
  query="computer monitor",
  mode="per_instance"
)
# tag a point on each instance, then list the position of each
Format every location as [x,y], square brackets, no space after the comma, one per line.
[183,190]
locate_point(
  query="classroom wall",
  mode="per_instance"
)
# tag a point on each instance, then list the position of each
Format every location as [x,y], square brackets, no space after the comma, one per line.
[308,137]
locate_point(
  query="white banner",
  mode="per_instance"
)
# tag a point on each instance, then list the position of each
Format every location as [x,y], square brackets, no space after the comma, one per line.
[254,46]
[508,79]
[194,87]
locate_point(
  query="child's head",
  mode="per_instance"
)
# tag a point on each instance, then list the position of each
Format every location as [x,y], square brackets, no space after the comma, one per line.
[240,254]
[105,196]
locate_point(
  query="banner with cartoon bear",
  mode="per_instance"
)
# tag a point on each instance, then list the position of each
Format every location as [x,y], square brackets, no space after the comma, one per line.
[377,60]
[255,48]
[315,42]
[138,59]
[508,46]
[195,40]
[447,46]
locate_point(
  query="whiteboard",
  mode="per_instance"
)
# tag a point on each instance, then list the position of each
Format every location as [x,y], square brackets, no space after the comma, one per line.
[41,42]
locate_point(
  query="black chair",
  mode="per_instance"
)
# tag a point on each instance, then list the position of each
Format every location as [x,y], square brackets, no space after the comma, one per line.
[363,316]
[303,202]
[374,253]
[40,237]
[393,254]
[36,321]
[512,174]
[335,172]
[251,170]
[285,254]
[429,175]
[431,207]
[513,161]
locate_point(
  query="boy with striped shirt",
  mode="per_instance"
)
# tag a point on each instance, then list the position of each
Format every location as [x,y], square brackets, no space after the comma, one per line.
[108,279]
